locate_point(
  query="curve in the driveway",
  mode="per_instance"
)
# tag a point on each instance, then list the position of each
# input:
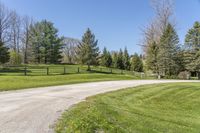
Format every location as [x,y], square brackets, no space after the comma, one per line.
[36,110]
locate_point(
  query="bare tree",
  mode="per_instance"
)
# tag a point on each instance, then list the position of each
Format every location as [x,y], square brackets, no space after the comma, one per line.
[164,11]
[69,50]
[5,21]
[15,32]
[152,33]
[27,22]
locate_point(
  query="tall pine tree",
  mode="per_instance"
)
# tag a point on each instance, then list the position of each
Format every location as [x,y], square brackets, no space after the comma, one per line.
[152,57]
[192,49]
[88,51]
[46,44]
[169,51]
[126,59]
[120,60]
[106,59]
[114,59]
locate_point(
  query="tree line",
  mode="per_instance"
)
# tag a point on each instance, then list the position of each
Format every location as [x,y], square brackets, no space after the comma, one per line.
[25,41]
[164,55]
[88,53]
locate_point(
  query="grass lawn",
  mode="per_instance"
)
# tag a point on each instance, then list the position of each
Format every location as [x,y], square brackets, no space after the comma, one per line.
[164,108]
[22,82]
[12,78]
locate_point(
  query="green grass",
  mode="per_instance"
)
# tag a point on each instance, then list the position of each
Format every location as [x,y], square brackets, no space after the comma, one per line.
[23,82]
[163,108]
[12,78]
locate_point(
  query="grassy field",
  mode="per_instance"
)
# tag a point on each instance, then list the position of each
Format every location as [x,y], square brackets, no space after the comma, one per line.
[23,82]
[164,108]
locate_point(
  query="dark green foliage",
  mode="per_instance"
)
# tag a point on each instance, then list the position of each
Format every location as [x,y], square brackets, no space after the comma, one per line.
[106,59]
[136,63]
[4,54]
[88,51]
[166,56]
[120,60]
[46,45]
[169,53]
[192,48]
[126,60]
[152,57]
[114,59]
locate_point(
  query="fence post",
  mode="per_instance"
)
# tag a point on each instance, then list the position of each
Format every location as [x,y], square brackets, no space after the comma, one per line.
[64,70]
[25,71]
[121,72]
[78,70]
[47,70]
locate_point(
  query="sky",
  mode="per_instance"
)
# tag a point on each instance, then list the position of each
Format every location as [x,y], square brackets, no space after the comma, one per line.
[116,23]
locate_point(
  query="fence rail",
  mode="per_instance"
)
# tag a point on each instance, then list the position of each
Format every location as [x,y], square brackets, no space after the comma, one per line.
[61,70]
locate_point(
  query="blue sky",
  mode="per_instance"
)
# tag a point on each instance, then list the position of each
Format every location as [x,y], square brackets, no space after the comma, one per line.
[116,23]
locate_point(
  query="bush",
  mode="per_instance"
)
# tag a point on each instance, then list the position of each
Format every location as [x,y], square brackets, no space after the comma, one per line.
[170,77]
[184,75]
[15,58]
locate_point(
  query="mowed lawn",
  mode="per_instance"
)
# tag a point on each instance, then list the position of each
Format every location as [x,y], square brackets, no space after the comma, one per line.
[163,108]
[23,82]
[12,78]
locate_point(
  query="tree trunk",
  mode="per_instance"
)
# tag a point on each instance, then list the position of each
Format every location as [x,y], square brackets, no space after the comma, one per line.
[88,69]
[198,75]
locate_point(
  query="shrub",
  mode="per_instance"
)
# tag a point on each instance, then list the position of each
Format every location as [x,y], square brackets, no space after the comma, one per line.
[184,75]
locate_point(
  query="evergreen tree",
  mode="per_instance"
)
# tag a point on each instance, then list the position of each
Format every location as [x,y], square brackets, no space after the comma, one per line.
[36,43]
[152,57]
[103,57]
[88,51]
[169,51]
[120,60]
[192,49]
[106,59]
[4,54]
[114,59]
[126,60]
[136,63]
[109,60]
[46,43]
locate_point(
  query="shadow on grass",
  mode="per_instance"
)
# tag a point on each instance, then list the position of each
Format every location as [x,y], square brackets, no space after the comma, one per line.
[13,70]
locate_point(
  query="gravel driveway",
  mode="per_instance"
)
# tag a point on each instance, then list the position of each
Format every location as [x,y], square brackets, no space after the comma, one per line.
[36,110]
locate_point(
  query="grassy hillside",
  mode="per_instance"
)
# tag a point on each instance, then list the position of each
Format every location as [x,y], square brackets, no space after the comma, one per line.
[171,108]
